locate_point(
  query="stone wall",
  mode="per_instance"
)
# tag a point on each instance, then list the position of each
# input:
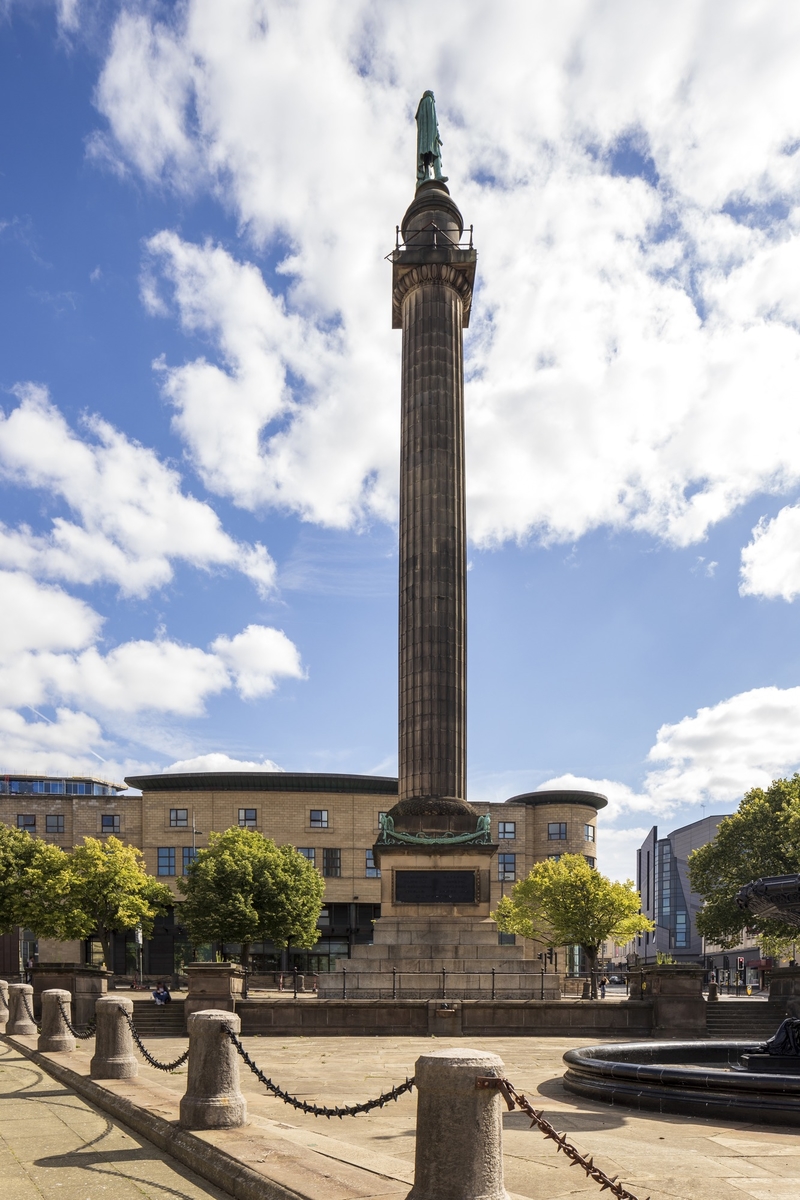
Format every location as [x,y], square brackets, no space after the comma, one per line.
[476,1018]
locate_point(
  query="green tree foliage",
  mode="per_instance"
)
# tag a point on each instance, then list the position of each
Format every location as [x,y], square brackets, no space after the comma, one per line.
[568,903]
[245,889]
[99,888]
[109,891]
[761,839]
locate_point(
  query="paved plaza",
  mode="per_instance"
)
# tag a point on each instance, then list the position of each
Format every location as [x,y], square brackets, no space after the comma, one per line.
[54,1144]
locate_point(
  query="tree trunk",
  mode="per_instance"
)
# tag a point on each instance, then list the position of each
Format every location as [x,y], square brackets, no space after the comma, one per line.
[591,958]
[107,942]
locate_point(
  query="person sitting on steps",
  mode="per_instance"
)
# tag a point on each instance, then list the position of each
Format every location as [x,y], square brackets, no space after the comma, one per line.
[161,994]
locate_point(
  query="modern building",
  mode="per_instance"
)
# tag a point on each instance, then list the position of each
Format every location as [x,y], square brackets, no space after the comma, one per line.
[662,878]
[332,819]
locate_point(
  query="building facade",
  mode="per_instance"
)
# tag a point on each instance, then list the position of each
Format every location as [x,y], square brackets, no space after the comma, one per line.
[332,819]
[662,878]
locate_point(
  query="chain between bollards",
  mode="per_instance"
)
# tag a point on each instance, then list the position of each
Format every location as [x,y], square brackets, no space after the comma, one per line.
[515,1099]
[318,1110]
[146,1053]
[27,1008]
[91,1028]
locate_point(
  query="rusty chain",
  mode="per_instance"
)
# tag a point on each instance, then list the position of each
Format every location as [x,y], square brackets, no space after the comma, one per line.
[515,1099]
[27,1008]
[318,1110]
[146,1053]
[91,1028]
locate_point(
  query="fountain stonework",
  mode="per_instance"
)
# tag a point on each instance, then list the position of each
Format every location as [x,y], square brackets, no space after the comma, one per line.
[433,849]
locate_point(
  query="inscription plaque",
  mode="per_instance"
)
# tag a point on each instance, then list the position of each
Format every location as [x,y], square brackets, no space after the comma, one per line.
[435,887]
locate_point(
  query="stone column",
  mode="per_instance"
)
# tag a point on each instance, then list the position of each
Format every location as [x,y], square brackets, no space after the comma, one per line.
[55,1037]
[432,293]
[213,1099]
[3,1005]
[20,999]
[113,1056]
[459,1152]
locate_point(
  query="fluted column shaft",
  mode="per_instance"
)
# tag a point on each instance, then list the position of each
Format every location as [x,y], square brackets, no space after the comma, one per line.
[432,718]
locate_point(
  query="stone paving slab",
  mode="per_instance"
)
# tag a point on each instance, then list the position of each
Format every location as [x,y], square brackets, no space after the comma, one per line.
[54,1144]
[667,1157]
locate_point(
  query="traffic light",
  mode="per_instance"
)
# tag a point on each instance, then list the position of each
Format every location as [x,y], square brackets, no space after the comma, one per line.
[740,964]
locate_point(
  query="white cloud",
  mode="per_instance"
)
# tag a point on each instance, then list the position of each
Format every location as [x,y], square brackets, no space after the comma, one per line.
[634,346]
[51,655]
[257,657]
[133,518]
[41,617]
[222,762]
[715,756]
[771,562]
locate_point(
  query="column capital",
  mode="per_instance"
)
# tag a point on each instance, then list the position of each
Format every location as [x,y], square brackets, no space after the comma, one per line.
[419,265]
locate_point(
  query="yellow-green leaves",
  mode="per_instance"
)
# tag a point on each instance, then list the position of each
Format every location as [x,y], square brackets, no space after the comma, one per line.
[568,903]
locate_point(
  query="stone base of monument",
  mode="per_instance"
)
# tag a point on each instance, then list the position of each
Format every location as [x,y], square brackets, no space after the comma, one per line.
[772,1064]
[419,949]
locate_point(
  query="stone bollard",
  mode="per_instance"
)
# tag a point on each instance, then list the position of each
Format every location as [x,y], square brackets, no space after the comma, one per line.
[213,1099]
[113,1056]
[55,1036]
[19,1023]
[713,991]
[459,1153]
[3,1005]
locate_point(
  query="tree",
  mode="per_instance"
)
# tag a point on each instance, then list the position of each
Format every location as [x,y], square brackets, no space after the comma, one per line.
[31,879]
[108,891]
[762,838]
[100,887]
[245,889]
[567,903]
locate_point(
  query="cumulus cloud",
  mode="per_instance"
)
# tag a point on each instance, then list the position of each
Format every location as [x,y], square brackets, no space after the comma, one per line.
[257,656]
[133,519]
[222,762]
[714,756]
[51,655]
[633,178]
[771,562]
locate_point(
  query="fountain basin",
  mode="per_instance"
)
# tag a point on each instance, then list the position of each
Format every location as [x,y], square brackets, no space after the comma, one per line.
[694,1078]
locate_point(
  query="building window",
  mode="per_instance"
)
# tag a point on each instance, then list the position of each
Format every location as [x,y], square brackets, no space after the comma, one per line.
[588,832]
[319,818]
[49,787]
[554,857]
[591,861]
[166,860]
[308,852]
[331,863]
[680,930]
[179,818]
[557,831]
[54,823]
[189,855]
[247,818]
[372,872]
[506,939]
[507,866]
[26,821]
[109,823]
[506,829]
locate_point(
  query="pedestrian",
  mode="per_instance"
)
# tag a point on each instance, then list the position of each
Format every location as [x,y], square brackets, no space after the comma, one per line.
[161,994]
[603,983]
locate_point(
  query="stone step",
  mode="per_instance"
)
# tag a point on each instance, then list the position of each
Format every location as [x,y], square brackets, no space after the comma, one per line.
[159,1020]
[742,1018]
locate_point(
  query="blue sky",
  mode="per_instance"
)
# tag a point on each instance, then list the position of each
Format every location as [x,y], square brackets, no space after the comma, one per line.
[200,388]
